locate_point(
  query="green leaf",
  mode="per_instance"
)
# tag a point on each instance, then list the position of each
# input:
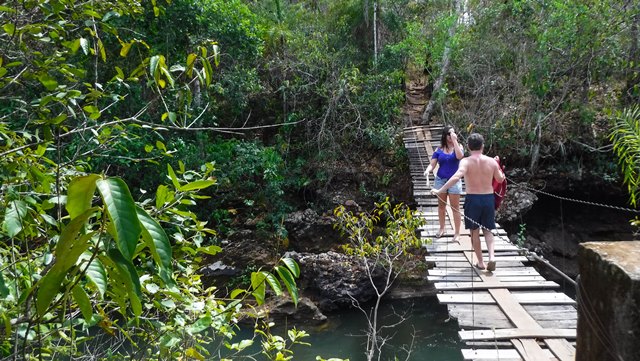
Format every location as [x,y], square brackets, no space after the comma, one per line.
[174,178]
[82,299]
[84,44]
[103,53]
[208,71]
[129,277]
[258,286]
[68,250]
[236,292]
[9,28]
[125,49]
[292,266]
[14,217]
[121,209]
[211,250]
[4,291]
[156,239]
[161,195]
[153,66]
[80,194]
[97,275]
[274,284]
[48,81]
[200,325]
[200,184]
[289,282]
[191,60]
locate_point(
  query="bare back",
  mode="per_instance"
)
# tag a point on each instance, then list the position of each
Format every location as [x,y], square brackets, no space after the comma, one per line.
[479,171]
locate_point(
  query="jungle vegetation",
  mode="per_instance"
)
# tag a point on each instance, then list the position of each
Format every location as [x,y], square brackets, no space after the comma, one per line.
[136,135]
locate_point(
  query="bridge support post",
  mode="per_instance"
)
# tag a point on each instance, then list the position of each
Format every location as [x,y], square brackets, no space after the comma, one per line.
[609,301]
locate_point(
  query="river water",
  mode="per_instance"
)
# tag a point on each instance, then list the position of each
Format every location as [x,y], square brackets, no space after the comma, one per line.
[427,327]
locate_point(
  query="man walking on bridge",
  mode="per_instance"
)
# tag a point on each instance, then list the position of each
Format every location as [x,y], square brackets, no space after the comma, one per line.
[478,171]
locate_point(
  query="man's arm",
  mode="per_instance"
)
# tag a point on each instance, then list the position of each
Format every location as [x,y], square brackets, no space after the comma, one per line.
[462,169]
[498,175]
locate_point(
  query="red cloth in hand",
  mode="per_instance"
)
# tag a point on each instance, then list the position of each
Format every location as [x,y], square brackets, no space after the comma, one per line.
[499,189]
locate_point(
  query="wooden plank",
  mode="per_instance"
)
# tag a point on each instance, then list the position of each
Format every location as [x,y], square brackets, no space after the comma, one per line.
[463,248]
[563,350]
[494,285]
[521,297]
[497,354]
[479,316]
[509,333]
[470,277]
[521,319]
[530,350]
[441,257]
[466,265]
[503,271]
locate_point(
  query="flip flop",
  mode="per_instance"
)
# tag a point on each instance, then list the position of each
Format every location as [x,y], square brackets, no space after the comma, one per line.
[491,266]
[439,234]
[478,267]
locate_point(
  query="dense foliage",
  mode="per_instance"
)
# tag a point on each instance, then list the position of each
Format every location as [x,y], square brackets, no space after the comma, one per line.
[136,136]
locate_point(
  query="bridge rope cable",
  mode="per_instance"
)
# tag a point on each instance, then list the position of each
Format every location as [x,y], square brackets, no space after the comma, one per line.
[525,186]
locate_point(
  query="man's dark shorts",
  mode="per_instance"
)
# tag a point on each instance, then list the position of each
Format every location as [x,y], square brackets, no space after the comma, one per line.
[480,208]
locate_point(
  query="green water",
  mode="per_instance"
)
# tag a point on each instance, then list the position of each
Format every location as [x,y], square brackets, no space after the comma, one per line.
[427,326]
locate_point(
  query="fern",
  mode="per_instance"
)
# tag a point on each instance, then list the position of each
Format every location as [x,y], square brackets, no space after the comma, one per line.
[625,136]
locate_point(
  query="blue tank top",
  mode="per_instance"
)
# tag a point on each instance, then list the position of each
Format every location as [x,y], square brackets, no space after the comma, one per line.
[448,163]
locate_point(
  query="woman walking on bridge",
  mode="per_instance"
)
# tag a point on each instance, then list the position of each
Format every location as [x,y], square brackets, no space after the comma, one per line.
[447,158]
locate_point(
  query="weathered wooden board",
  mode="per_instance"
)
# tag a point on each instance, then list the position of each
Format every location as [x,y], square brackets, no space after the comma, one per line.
[479,316]
[502,271]
[493,285]
[460,257]
[499,354]
[524,298]
[475,278]
[463,248]
[509,333]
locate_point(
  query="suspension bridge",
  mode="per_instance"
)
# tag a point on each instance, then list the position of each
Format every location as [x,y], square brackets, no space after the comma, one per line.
[512,313]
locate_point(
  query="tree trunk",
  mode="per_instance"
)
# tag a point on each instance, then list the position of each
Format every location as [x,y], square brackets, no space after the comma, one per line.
[446,58]
[375,31]
[632,88]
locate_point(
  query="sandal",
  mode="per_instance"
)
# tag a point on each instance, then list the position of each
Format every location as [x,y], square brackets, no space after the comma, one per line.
[491,266]
[478,267]
[455,238]
[439,234]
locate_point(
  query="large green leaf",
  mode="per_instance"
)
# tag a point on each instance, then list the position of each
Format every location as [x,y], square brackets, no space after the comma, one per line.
[122,211]
[96,273]
[289,282]
[80,193]
[67,252]
[258,286]
[156,239]
[200,325]
[82,299]
[128,276]
[201,184]
[273,282]
[292,266]
[174,178]
[13,218]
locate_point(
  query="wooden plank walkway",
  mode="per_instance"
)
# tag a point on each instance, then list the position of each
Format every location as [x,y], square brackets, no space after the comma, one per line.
[513,313]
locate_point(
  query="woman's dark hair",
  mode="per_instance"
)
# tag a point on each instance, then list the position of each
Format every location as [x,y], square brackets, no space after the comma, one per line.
[443,139]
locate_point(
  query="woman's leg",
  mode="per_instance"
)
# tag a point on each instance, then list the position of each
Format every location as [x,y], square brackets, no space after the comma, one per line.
[454,200]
